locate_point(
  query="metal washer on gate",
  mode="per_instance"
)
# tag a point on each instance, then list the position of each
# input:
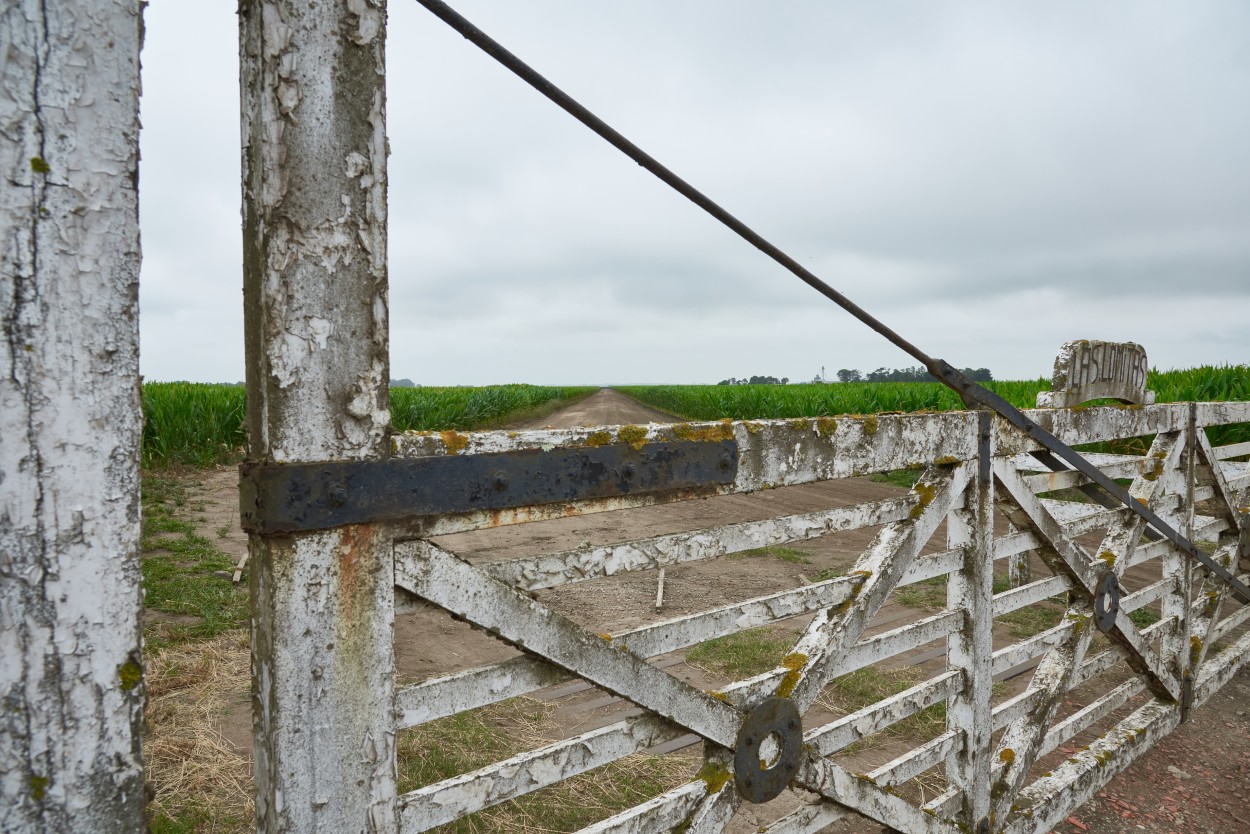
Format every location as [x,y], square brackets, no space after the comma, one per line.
[756,780]
[1106,602]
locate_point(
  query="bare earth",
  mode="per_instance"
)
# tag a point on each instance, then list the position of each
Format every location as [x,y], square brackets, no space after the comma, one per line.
[1197,780]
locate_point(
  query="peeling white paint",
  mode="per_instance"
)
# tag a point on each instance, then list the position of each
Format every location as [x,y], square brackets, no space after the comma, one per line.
[315,311]
[71,691]
[368,21]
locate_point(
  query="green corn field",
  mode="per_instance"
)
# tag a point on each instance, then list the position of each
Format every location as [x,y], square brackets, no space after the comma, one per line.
[202,424]
[760,402]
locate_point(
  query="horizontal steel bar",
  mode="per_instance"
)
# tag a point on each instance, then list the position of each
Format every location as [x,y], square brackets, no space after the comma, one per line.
[279,498]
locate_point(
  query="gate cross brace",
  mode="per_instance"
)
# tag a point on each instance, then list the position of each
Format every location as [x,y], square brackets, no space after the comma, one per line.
[973,395]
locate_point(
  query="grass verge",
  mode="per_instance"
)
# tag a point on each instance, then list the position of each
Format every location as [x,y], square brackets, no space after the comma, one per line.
[471,740]
[186,577]
[776,551]
[741,654]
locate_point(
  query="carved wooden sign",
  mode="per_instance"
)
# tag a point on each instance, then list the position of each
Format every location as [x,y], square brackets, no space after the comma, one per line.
[1091,370]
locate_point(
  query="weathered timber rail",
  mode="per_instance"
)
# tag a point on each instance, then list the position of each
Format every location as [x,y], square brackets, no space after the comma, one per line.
[1137,683]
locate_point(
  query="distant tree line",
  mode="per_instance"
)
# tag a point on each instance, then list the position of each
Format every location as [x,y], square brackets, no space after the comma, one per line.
[917,374]
[756,380]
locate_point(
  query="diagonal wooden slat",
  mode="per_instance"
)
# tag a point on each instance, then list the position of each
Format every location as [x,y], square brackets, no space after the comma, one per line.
[449,582]
[861,794]
[1212,591]
[717,809]
[1047,801]
[1022,742]
[661,815]
[1225,496]
[832,632]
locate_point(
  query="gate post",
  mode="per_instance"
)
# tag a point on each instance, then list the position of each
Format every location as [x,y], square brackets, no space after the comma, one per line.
[315,316]
[71,688]
[970,649]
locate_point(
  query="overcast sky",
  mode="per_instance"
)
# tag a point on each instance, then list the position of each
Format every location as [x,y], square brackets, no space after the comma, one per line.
[989,179]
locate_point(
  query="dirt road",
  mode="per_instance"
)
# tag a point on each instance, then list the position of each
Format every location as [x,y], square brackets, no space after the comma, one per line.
[1198,780]
[602,408]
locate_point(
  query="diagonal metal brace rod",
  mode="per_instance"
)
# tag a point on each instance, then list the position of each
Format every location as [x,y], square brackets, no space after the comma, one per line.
[973,395]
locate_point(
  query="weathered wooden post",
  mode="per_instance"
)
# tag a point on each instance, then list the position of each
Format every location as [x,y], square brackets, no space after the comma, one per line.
[314,213]
[71,692]
[970,649]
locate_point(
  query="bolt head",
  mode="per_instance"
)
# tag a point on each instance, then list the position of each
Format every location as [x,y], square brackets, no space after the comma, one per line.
[338,495]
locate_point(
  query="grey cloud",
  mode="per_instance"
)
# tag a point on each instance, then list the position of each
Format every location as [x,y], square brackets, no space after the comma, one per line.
[971,173]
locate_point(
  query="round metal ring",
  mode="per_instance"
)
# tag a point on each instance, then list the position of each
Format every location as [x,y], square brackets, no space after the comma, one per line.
[1106,602]
[777,722]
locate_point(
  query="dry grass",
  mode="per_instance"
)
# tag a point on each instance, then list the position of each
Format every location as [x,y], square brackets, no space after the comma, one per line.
[202,782]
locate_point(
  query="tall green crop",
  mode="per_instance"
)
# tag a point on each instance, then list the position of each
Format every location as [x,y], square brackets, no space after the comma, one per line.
[192,423]
[759,402]
[201,424]
[428,409]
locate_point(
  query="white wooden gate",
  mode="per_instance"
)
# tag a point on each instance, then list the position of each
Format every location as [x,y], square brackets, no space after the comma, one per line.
[974,469]
[342,516]
[987,753]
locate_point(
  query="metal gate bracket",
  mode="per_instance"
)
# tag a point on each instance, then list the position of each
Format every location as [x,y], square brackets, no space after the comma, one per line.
[289,498]
[776,722]
[1106,602]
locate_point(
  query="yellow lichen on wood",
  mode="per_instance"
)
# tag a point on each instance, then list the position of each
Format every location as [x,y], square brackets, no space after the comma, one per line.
[454,442]
[635,436]
[705,434]
[597,439]
[714,775]
[795,663]
[926,493]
